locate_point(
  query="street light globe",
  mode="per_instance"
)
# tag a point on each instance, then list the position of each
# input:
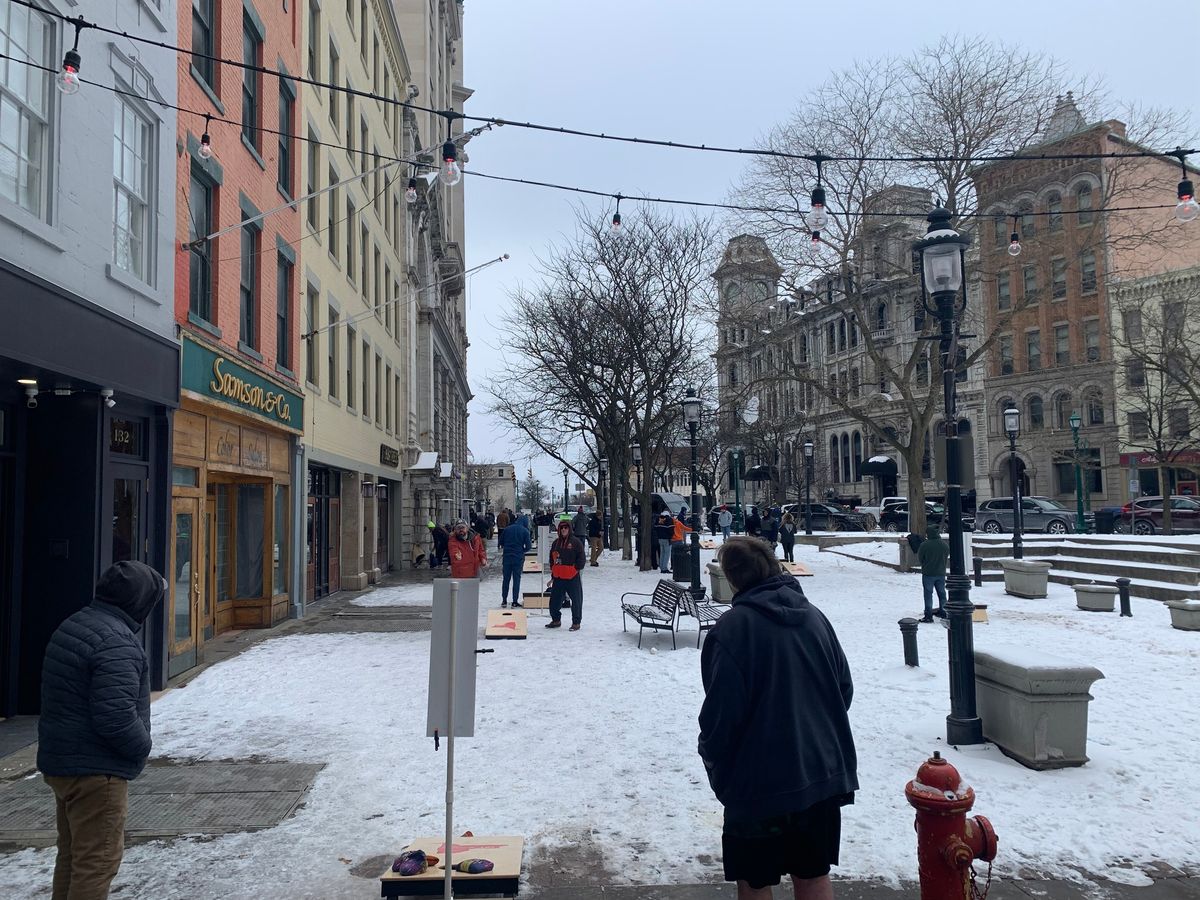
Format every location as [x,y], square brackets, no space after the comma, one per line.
[635,451]
[1075,420]
[808,448]
[1012,421]
[941,252]
[691,407]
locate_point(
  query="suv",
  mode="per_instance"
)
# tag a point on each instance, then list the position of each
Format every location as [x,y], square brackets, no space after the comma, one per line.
[896,518]
[1145,515]
[827,517]
[1037,514]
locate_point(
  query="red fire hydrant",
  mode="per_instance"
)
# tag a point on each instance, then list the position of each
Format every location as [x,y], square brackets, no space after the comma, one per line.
[947,841]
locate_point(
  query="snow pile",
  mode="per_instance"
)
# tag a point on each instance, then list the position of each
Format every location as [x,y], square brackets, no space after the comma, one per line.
[584,738]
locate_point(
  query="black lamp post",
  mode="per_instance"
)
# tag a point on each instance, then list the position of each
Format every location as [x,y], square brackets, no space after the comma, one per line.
[942,254]
[1075,421]
[566,491]
[691,415]
[808,473]
[635,452]
[601,493]
[1012,426]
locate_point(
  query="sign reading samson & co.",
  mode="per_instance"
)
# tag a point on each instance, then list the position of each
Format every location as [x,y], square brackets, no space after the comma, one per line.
[214,375]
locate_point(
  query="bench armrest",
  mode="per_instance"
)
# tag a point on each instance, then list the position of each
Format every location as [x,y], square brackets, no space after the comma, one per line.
[634,594]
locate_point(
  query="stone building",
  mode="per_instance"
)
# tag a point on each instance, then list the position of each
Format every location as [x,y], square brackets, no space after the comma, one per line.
[491,486]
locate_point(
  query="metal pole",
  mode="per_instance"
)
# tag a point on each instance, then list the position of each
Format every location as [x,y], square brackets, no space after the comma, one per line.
[908,634]
[963,725]
[1123,592]
[448,886]
[697,587]
[808,473]
[1079,526]
[740,515]
[566,492]
[978,563]
[1018,546]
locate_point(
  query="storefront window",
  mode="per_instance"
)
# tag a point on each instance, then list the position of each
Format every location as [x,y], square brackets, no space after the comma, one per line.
[223,531]
[185,476]
[281,539]
[251,534]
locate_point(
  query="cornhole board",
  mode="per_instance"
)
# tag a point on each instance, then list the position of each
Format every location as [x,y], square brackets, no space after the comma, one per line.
[708,545]
[531,566]
[504,879]
[980,615]
[506,624]
[535,600]
[796,568]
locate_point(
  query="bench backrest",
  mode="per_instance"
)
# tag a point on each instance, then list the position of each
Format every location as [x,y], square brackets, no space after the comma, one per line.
[667,597]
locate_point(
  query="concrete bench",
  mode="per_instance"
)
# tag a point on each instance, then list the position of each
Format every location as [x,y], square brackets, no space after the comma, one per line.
[1034,706]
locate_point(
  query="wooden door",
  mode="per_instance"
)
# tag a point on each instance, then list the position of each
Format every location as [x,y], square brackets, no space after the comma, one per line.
[311,550]
[208,612]
[334,535]
[185,585]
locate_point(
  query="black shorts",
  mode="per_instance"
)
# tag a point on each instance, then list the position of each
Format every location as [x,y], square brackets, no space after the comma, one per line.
[803,844]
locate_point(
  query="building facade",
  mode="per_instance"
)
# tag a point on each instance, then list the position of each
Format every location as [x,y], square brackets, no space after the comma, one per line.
[491,486]
[234,559]
[89,366]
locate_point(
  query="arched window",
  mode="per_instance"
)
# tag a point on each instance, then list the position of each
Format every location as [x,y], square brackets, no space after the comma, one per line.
[733,375]
[847,475]
[1062,410]
[1054,208]
[858,453]
[1083,203]
[1006,403]
[833,459]
[1037,415]
[831,338]
[1028,220]
[841,345]
[881,316]
[1094,404]
[803,348]
[1000,229]
[853,333]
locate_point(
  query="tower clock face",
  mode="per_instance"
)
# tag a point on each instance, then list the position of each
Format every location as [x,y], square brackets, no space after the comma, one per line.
[733,291]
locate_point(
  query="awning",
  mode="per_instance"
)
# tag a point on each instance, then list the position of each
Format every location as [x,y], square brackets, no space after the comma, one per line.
[427,461]
[760,473]
[879,465]
[446,470]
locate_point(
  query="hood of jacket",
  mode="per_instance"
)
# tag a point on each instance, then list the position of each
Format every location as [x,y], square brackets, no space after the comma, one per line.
[131,587]
[932,531]
[780,598]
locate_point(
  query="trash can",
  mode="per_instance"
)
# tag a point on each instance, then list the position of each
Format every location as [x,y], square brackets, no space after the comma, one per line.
[681,563]
[1105,518]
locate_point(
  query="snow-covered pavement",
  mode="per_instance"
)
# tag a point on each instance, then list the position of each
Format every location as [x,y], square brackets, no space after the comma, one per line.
[584,737]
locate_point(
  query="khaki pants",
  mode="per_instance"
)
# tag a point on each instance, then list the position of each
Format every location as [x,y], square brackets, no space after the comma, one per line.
[597,548]
[91,834]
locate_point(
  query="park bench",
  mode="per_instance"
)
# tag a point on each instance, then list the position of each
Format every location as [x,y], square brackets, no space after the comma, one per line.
[660,614]
[705,612]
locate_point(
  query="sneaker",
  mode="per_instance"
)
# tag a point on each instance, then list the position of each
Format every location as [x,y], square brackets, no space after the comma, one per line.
[504,604]
[516,604]
[554,624]
[940,613]
[928,620]
[574,627]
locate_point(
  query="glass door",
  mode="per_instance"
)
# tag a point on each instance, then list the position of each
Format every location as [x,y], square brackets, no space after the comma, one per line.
[185,585]
[128,538]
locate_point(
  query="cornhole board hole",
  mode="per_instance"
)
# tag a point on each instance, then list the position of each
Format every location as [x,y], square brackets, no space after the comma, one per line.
[535,600]
[796,568]
[504,879]
[506,624]
[531,566]
[708,545]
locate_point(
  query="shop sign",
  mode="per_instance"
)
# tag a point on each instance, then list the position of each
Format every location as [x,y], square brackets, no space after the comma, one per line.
[214,375]
[224,443]
[389,456]
[125,437]
[254,450]
[1178,458]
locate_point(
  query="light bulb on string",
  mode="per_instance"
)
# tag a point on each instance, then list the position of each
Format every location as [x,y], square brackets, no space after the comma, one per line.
[206,150]
[1014,240]
[67,81]
[450,174]
[818,217]
[614,230]
[1187,208]
[410,193]
[816,237]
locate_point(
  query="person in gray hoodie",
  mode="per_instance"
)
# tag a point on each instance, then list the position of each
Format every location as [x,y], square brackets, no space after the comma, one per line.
[774,728]
[94,730]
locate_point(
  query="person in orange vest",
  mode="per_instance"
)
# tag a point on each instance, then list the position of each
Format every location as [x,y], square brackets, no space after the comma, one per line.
[680,530]
[567,559]
[467,553]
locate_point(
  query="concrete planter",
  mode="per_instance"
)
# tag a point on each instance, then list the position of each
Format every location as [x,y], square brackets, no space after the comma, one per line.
[1034,706]
[1024,578]
[1185,614]
[722,591]
[1096,597]
[908,558]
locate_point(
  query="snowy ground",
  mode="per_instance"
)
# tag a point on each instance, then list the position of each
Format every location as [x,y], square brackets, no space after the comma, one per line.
[583,737]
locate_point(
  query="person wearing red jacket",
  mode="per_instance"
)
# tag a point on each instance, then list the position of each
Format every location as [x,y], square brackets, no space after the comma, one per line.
[467,553]
[567,559]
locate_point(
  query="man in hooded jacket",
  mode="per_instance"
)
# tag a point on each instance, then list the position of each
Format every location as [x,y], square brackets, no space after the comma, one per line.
[94,730]
[514,544]
[774,729]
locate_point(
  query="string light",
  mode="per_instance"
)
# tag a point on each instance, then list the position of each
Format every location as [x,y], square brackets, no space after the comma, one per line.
[1187,208]
[410,193]
[1014,240]
[67,81]
[206,150]
[451,174]
[615,229]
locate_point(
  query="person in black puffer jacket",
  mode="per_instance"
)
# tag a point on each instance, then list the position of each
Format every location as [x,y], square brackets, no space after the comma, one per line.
[94,730]
[774,727]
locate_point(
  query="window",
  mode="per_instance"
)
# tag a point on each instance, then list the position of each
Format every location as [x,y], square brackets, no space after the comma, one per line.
[1029,284]
[25,107]
[376,284]
[280,555]
[310,186]
[314,37]
[1028,221]
[923,370]
[1083,203]
[364,135]
[1003,292]
[1135,373]
[251,80]
[1062,410]
[366,380]
[287,106]
[203,46]
[1174,319]
[1089,464]
[1179,422]
[283,312]
[1139,426]
[335,365]
[1094,406]
[200,215]
[842,334]
[833,459]
[387,409]
[803,348]
[1054,208]
[1087,272]
[312,313]
[1037,418]
[1000,231]
[335,76]
[131,179]
[831,338]
[1058,278]
[1131,324]
[364,261]
[1091,340]
[1033,350]
[733,376]
[331,225]
[1006,354]
[350,123]
[362,29]
[396,394]
[378,388]
[350,236]
[351,349]
[1062,345]
[248,291]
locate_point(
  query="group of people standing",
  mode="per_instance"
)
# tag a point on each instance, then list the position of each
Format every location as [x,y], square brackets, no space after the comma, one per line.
[771,528]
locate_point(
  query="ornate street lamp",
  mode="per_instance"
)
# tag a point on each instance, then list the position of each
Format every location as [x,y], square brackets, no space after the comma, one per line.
[739,515]
[808,474]
[601,493]
[635,452]
[1012,427]
[1075,421]
[943,252]
[691,415]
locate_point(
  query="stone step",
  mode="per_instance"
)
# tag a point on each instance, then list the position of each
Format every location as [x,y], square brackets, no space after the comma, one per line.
[1145,588]
[1142,553]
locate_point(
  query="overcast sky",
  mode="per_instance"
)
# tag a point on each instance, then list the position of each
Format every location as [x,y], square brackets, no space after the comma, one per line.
[705,71]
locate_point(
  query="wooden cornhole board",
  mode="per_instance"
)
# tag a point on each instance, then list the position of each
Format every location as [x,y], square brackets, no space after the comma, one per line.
[796,568]
[506,624]
[535,600]
[531,566]
[980,614]
[708,545]
[505,877]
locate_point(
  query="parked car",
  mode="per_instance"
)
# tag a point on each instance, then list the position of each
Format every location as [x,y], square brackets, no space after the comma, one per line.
[896,518]
[828,517]
[1145,515]
[884,505]
[1037,514]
